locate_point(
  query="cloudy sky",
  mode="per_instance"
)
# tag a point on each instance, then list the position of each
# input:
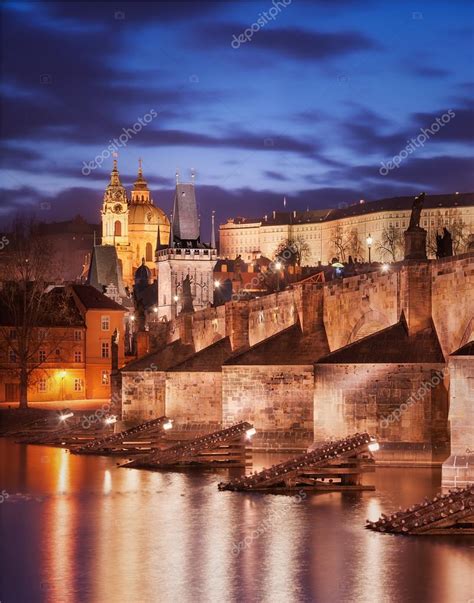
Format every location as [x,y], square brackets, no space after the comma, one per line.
[307,107]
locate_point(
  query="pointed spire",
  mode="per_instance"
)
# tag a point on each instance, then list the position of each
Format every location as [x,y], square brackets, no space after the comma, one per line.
[193,175]
[213,230]
[140,192]
[284,201]
[114,174]
[177,176]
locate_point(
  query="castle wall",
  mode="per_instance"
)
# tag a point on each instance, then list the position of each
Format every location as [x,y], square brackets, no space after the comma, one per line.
[271,397]
[351,398]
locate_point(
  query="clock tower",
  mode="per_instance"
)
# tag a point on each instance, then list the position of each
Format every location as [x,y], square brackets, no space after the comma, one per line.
[115,212]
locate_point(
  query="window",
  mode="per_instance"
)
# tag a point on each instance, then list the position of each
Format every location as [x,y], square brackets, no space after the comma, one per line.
[117,229]
[105,349]
[11,356]
[105,323]
[78,356]
[78,385]
[42,356]
[149,252]
[77,335]
[105,378]
[42,385]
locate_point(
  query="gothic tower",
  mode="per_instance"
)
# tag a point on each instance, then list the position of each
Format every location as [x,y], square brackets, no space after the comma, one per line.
[185,266]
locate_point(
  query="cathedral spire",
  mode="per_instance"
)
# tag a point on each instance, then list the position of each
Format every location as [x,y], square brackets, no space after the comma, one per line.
[114,174]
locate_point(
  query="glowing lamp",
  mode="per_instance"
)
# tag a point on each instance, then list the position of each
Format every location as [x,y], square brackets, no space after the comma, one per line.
[110,420]
[250,432]
[132,318]
[217,284]
[385,268]
[369,240]
[168,425]
[374,446]
[62,374]
[66,415]
[176,298]
[278,265]
[155,309]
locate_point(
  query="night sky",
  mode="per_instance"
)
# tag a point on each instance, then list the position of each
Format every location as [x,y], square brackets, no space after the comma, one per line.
[307,108]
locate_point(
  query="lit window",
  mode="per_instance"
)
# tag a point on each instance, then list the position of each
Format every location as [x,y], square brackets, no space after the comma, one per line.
[42,356]
[105,378]
[105,349]
[77,356]
[42,385]
[105,323]
[78,385]
[11,356]
[77,335]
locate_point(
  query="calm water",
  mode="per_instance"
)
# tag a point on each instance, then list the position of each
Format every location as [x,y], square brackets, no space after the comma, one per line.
[81,529]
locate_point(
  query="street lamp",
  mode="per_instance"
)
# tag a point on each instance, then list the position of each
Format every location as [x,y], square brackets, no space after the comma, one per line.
[369,242]
[62,375]
[278,268]
[217,284]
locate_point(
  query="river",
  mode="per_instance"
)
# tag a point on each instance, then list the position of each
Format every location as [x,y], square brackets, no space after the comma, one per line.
[81,529]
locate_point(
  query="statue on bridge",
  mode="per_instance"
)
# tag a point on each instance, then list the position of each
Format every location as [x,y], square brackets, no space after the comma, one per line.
[416,211]
[415,236]
[444,244]
[187,295]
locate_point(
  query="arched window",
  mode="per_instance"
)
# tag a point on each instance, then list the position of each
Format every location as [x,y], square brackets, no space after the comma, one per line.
[118,228]
[149,252]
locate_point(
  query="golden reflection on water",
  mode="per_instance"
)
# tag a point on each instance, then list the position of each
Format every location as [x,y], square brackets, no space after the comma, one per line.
[122,535]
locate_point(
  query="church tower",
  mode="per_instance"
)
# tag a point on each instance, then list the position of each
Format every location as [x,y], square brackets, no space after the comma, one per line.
[115,211]
[185,266]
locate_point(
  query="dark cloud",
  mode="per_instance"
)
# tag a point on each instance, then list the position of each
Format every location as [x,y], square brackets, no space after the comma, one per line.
[434,72]
[291,42]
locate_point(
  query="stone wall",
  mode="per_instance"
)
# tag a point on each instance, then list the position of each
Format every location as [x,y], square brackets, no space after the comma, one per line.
[194,397]
[350,398]
[359,306]
[271,397]
[271,314]
[453,301]
[143,395]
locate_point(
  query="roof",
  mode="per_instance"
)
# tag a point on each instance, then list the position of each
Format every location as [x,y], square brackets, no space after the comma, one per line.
[390,345]
[357,209]
[105,269]
[289,347]
[172,354]
[209,359]
[92,299]
[185,214]
[465,350]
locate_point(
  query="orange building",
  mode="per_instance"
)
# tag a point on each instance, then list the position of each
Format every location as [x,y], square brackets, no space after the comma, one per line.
[70,360]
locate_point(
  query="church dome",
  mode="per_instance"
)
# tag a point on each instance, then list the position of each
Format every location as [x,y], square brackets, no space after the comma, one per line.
[146,213]
[142,274]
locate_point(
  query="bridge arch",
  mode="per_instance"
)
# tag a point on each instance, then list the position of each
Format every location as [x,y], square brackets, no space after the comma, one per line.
[369,323]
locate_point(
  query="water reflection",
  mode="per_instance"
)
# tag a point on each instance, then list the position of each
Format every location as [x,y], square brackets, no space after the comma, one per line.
[105,534]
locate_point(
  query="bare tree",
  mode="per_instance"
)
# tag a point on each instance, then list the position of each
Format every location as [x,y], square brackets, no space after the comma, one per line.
[339,242]
[33,317]
[354,244]
[293,251]
[391,244]
[458,230]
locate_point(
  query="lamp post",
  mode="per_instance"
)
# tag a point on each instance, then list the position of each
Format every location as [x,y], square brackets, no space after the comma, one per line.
[62,375]
[278,268]
[369,242]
